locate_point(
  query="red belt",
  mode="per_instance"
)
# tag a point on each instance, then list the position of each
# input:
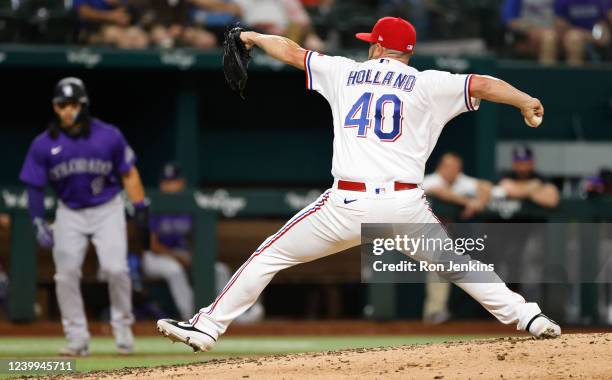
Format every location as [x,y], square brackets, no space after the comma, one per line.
[360,186]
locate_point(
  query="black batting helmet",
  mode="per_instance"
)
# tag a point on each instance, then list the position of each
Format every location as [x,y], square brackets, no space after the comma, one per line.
[70,89]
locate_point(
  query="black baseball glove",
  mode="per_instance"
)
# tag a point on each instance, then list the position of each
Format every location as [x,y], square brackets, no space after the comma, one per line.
[236,59]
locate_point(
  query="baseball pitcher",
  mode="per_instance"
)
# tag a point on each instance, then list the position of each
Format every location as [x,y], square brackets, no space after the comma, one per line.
[387,118]
[87,163]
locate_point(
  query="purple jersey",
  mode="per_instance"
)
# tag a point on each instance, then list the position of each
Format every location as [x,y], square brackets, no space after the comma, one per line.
[172,229]
[582,13]
[83,171]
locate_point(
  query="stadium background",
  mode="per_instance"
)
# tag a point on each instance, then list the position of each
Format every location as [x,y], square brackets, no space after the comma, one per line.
[174,106]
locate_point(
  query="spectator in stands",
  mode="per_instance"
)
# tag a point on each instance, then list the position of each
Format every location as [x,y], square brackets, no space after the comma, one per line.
[170,255]
[584,27]
[320,6]
[531,24]
[449,184]
[281,17]
[169,23]
[600,184]
[523,182]
[417,11]
[216,15]
[109,22]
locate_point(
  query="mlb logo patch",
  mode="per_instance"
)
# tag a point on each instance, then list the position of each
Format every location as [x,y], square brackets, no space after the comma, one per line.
[380,190]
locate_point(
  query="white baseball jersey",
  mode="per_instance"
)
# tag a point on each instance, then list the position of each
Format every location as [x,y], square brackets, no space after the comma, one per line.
[387,115]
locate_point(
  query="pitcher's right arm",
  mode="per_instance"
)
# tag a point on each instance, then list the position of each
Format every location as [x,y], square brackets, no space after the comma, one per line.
[498,91]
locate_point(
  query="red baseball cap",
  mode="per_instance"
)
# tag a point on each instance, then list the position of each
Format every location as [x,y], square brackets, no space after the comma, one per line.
[393,33]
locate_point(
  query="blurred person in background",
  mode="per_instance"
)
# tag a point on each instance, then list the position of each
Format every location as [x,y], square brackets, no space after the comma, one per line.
[600,184]
[320,6]
[449,184]
[281,17]
[170,256]
[416,10]
[109,22]
[171,251]
[88,163]
[169,24]
[216,15]
[584,27]
[523,182]
[531,28]
[523,260]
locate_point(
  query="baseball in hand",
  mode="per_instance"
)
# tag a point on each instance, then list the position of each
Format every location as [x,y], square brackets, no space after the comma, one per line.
[534,121]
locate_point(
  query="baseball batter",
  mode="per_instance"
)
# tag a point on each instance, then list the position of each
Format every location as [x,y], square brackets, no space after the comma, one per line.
[387,118]
[87,163]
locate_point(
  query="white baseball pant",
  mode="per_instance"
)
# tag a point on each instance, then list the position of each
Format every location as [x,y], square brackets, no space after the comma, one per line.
[330,225]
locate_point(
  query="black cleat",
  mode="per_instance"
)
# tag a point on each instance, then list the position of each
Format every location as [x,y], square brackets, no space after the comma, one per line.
[184,332]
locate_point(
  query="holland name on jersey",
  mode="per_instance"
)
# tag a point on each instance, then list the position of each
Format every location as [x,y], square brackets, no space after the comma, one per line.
[398,81]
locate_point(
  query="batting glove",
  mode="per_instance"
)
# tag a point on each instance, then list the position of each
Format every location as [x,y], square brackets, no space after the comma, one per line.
[44,233]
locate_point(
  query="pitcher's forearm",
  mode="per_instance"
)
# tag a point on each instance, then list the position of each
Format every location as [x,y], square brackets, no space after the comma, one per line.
[498,91]
[277,47]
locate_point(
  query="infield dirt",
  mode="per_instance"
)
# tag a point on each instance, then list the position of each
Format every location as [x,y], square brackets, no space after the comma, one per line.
[573,356]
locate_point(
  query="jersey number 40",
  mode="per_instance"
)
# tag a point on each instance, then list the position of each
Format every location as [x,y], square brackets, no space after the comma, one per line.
[364,121]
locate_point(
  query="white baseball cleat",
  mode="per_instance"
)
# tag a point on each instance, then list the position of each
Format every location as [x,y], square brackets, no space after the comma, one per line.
[71,351]
[124,340]
[125,349]
[543,327]
[184,332]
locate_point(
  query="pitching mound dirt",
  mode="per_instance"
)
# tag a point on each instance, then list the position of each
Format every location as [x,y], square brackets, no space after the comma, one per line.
[576,356]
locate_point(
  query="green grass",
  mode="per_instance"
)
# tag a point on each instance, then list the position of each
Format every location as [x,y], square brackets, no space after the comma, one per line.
[156,351]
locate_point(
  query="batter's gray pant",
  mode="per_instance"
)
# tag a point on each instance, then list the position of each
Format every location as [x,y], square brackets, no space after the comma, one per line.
[106,226]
